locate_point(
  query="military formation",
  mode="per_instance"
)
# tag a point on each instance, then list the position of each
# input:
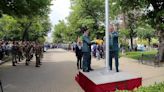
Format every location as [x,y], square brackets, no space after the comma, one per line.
[23,51]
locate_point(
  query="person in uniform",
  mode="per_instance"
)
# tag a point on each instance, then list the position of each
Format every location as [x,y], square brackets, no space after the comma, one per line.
[27,49]
[114,49]
[20,52]
[86,49]
[37,51]
[41,47]
[14,53]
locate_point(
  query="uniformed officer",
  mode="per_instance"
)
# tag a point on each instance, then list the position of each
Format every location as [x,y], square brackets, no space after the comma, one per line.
[114,49]
[20,52]
[14,53]
[86,50]
[27,49]
[37,50]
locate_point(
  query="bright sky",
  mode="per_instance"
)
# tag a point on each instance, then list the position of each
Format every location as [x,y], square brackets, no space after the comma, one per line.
[59,11]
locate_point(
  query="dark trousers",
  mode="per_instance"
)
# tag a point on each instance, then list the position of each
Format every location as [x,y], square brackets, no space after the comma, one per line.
[79,63]
[86,61]
[89,64]
[113,54]
[1,55]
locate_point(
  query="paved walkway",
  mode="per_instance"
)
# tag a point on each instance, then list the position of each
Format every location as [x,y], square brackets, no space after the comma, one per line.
[55,75]
[58,71]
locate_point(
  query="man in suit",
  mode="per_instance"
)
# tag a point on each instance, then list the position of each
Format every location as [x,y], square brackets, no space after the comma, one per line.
[86,49]
[114,49]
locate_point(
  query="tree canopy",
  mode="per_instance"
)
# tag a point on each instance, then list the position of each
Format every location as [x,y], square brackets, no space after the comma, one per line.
[24,19]
[21,8]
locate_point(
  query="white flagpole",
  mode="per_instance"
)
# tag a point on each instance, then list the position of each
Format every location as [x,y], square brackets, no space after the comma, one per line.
[107,32]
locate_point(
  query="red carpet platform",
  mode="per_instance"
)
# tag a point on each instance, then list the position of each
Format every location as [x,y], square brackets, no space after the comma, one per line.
[103,80]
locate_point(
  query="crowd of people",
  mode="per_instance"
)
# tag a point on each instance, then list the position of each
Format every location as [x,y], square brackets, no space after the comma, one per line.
[21,51]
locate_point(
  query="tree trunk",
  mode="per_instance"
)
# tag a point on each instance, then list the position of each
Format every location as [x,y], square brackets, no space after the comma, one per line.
[25,33]
[131,42]
[124,20]
[149,40]
[161,46]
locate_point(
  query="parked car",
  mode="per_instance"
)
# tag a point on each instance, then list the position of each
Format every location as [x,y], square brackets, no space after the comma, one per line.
[141,47]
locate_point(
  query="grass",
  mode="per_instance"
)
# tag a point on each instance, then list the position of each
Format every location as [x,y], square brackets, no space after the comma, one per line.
[148,55]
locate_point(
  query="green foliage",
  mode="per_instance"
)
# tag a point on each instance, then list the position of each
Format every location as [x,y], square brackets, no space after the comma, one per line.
[28,8]
[88,13]
[24,19]
[152,88]
[137,55]
[60,32]
[13,28]
[145,31]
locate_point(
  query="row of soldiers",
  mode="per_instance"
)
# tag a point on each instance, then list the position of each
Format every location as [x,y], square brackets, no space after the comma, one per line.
[23,51]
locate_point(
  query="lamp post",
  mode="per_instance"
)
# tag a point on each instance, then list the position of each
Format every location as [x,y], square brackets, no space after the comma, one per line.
[107,33]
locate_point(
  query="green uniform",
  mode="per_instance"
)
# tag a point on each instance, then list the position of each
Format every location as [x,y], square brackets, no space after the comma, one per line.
[14,54]
[27,49]
[86,49]
[37,50]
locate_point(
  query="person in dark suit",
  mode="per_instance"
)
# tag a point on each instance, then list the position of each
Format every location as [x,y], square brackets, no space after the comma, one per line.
[114,49]
[78,51]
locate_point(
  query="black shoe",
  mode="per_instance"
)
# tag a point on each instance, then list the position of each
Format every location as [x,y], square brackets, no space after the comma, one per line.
[85,70]
[117,70]
[37,66]
[91,69]
[26,64]
[14,65]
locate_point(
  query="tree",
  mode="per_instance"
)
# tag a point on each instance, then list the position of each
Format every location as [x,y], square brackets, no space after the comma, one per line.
[13,28]
[145,31]
[60,34]
[88,13]
[152,12]
[21,8]
[25,11]
[8,25]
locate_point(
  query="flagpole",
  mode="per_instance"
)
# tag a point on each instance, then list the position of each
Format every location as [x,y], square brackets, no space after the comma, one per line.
[107,33]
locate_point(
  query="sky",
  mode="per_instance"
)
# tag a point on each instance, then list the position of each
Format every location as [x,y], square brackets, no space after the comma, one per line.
[59,11]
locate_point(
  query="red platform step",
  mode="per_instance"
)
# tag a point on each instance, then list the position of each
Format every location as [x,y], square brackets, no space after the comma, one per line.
[107,81]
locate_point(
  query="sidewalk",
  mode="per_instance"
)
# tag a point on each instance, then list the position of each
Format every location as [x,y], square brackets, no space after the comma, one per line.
[150,74]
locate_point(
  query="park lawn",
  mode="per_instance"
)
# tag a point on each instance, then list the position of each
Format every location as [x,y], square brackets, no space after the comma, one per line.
[148,55]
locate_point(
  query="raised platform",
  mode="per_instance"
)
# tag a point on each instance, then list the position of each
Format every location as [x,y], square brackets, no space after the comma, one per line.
[103,80]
